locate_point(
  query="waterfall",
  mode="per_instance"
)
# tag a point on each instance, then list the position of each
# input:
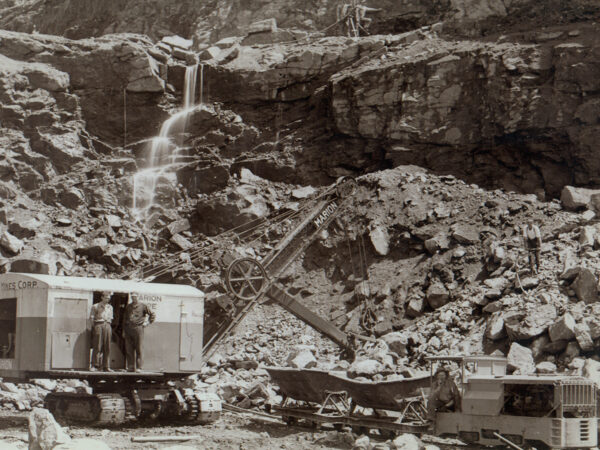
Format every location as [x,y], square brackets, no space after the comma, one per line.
[165,148]
[201,83]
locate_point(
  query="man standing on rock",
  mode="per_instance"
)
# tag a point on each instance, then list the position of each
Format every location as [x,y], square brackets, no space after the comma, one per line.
[533,243]
[137,317]
[101,317]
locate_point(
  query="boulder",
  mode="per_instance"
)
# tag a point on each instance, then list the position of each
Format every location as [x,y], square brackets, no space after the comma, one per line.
[113,253]
[44,383]
[362,290]
[189,57]
[492,294]
[495,327]
[259,390]
[397,342]
[587,236]
[522,326]
[572,351]
[406,442]
[47,78]
[499,283]
[589,215]
[555,347]
[591,370]
[415,307]
[520,359]
[562,329]
[365,368]
[302,359]
[545,367]
[71,198]
[228,42]
[537,346]
[11,244]
[303,192]
[527,283]
[570,268]
[178,41]
[263,26]
[574,198]
[439,242]
[113,221]
[593,324]
[432,245]
[181,242]
[380,240]
[493,307]
[576,364]
[594,206]
[44,432]
[178,226]
[25,229]
[209,53]
[586,286]
[362,443]
[569,273]
[230,391]
[583,337]
[466,235]
[93,248]
[437,295]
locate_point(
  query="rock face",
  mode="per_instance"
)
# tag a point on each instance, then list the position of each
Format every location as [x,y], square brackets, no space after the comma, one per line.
[437,75]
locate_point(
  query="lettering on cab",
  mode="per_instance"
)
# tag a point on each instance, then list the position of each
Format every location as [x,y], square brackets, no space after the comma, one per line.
[20,284]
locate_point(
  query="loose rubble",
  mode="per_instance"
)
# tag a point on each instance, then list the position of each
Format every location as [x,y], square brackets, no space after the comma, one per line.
[287,111]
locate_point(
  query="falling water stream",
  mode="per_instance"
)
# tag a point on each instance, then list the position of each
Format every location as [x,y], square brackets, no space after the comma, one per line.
[165,149]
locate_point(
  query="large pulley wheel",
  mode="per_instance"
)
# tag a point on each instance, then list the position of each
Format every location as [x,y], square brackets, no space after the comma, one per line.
[246,278]
[345,187]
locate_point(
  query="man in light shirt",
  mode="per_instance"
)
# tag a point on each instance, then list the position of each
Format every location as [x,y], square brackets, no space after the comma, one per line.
[101,317]
[533,244]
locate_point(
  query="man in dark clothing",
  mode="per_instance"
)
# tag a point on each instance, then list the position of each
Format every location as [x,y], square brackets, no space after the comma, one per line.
[137,317]
[444,395]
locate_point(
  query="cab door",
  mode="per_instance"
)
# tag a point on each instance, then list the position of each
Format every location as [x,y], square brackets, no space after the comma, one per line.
[190,335]
[70,336]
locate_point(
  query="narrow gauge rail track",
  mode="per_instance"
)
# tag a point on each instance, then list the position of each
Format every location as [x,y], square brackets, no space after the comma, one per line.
[439,442]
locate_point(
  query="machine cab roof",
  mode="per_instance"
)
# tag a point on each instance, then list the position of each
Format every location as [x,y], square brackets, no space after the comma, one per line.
[45,327]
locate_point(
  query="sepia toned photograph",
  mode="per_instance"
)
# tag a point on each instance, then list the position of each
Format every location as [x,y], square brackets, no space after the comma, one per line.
[287,224]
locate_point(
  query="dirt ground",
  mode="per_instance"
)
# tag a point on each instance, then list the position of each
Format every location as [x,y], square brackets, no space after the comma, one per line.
[232,431]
